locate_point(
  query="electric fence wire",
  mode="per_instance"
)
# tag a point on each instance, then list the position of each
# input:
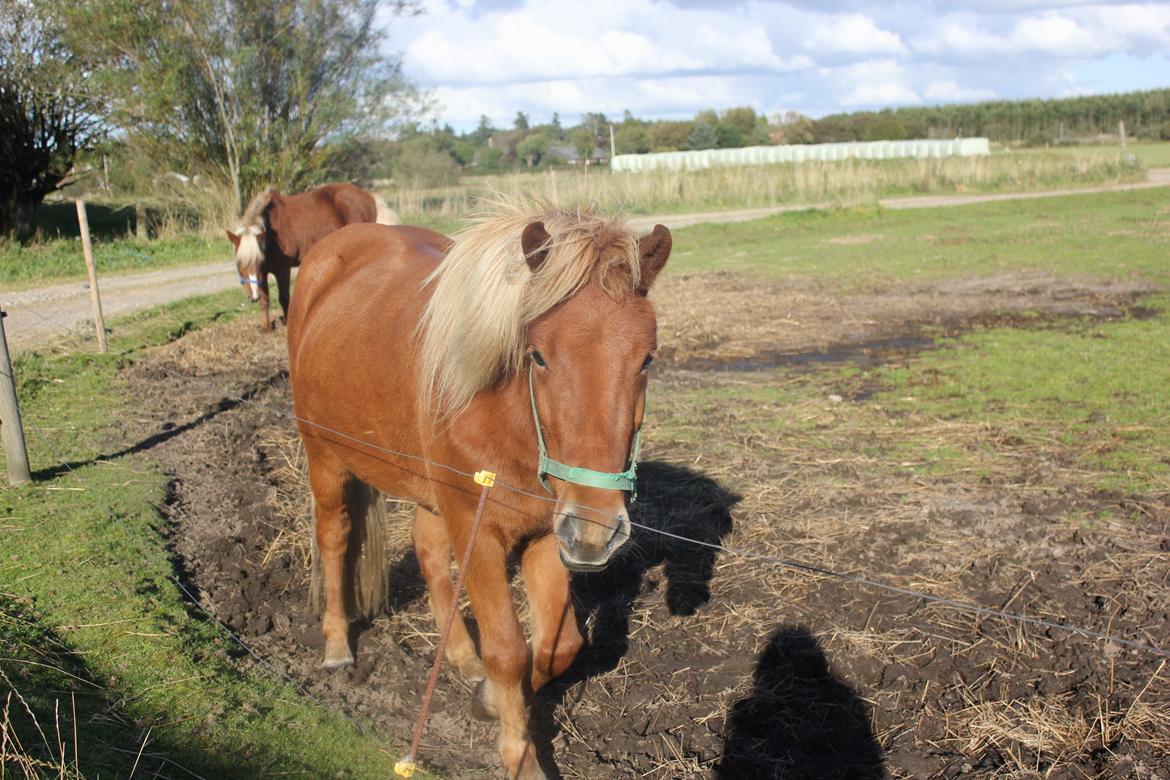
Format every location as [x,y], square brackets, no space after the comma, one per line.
[788,563]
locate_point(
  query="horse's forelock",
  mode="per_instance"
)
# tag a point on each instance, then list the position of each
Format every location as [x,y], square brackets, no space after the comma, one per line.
[248,252]
[484,296]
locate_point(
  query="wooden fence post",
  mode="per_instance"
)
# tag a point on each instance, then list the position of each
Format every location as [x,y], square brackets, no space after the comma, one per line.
[11,429]
[94,297]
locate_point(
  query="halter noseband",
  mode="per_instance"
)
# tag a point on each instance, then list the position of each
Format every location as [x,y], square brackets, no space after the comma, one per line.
[606,480]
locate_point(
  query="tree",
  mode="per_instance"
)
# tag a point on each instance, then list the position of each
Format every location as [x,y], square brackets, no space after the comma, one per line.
[742,119]
[255,92]
[584,142]
[632,139]
[49,111]
[792,127]
[533,148]
[703,135]
[484,131]
[418,161]
[669,136]
[521,121]
[884,127]
[729,136]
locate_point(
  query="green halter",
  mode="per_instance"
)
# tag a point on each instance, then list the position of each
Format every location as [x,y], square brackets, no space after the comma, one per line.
[606,480]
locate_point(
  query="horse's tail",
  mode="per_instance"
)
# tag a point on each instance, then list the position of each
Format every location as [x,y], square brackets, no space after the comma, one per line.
[386,215]
[366,557]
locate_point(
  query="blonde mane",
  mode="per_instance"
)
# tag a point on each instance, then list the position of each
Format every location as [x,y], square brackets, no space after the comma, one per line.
[249,229]
[254,213]
[474,329]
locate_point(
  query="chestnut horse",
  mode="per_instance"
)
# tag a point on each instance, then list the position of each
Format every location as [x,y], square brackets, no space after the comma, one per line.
[277,231]
[462,351]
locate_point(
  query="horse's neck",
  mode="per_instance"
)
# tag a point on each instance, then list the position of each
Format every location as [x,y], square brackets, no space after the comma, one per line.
[498,428]
[281,236]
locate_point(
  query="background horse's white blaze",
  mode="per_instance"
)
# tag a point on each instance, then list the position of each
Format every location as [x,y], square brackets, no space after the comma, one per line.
[253,283]
[249,253]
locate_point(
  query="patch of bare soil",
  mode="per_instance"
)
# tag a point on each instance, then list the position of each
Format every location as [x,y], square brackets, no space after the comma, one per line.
[703,664]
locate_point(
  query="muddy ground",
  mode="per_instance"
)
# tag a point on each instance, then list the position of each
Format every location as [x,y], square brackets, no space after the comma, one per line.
[704,664]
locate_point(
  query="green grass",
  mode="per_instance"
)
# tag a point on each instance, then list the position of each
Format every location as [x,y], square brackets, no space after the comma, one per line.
[1072,401]
[62,260]
[1090,394]
[1096,391]
[1106,235]
[87,590]
[1151,154]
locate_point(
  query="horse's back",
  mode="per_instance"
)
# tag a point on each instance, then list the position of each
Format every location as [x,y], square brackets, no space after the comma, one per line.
[302,220]
[359,275]
[351,203]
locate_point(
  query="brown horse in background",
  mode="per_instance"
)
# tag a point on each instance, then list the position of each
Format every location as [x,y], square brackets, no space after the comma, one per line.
[403,339]
[277,231]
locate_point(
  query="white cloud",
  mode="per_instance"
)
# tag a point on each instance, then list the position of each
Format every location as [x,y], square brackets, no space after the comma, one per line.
[853,33]
[556,39]
[880,94]
[1054,33]
[951,92]
[671,58]
[872,83]
[1077,32]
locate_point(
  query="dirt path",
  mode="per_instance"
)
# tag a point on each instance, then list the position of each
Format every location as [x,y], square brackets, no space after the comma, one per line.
[36,315]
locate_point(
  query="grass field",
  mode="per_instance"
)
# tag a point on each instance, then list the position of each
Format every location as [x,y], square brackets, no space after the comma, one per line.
[1152,155]
[1114,235]
[1061,403]
[842,183]
[90,615]
[180,238]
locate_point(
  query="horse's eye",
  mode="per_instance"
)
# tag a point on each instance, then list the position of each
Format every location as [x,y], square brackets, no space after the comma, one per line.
[646,363]
[537,358]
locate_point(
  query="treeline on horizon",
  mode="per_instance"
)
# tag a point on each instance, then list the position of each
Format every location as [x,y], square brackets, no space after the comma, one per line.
[436,153]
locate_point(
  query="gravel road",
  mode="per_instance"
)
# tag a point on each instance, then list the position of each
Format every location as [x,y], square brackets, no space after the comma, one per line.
[37,315]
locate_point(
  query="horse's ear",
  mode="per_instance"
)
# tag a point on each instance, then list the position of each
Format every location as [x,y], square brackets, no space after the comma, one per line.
[233,238]
[653,251]
[534,241]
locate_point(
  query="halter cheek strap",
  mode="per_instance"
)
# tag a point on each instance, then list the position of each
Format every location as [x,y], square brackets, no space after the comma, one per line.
[606,480]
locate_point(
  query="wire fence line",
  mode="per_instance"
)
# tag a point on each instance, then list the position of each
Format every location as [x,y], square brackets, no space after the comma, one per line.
[789,563]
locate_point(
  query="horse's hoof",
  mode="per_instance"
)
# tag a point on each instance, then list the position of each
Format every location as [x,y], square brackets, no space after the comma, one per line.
[481,707]
[338,660]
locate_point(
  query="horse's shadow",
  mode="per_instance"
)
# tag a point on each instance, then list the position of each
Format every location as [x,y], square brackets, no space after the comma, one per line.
[671,499]
[799,721]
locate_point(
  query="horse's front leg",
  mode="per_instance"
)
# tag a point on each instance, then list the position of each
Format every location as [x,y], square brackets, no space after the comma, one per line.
[432,545]
[505,655]
[266,325]
[283,285]
[555,638]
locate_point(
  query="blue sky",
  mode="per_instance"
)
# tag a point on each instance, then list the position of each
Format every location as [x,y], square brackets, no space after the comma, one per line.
[671,58]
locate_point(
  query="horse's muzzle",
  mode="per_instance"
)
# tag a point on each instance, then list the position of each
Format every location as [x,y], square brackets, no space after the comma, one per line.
[585,542]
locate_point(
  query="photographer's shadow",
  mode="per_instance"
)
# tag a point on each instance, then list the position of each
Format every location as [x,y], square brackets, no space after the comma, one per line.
[799,721]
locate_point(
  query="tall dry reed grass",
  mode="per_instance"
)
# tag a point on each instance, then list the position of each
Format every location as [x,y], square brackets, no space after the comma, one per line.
[845,182]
